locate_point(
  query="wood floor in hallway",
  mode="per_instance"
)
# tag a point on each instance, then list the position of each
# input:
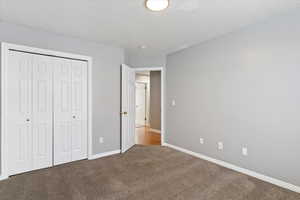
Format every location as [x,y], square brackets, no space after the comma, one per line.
[144,136]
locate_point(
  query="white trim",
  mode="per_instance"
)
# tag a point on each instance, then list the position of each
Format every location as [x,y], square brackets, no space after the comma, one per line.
[90,107]
[3,178]
[101,155]
[163,78]
[265,178]
[4,53]
[148,69]
[45,51]
[5,47]
[154,130]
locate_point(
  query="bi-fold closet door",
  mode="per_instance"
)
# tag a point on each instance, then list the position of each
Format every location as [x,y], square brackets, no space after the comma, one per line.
[46,111]
[29,112]
[70,111]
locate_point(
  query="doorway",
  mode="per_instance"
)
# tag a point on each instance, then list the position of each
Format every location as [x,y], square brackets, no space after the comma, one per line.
[149,131]
[148,107]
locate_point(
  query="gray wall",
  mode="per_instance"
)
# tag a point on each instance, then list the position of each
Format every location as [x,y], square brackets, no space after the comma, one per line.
[155,100]
[242,89]
[139,60]
[106,77]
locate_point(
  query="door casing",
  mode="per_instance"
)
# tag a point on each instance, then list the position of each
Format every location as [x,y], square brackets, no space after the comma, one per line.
[162,70]
[163,82]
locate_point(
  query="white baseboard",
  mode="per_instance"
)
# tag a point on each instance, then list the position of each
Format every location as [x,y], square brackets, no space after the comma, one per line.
[3,178]
[154,130]
[101,155]
[268,179]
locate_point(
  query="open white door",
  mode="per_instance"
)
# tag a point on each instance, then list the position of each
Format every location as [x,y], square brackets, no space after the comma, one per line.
[128,108]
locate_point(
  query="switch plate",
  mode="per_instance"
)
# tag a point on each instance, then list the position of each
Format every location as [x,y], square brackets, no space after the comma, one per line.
[201,141]
[220,145]
[245,151]
[101,140]
[173,103]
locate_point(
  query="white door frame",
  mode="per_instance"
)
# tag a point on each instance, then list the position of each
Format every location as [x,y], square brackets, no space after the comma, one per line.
[162,70]
[5,47]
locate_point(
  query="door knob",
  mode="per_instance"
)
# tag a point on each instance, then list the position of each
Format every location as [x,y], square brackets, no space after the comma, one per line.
[74,117]
[27,120]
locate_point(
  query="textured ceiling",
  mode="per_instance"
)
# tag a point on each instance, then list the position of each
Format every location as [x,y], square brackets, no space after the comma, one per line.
[127,23]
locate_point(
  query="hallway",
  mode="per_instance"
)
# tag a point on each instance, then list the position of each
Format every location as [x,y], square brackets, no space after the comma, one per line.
[144,136]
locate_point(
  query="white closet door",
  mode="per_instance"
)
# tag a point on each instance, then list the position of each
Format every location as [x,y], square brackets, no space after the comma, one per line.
[70,111]
[19,115]
[42,111]
[79,110]
[62,111]
[46,111]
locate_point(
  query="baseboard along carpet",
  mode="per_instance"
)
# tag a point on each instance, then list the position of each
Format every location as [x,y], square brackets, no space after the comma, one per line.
[143,173]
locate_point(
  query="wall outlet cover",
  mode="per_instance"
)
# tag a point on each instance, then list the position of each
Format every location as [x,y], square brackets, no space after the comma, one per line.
[220,145]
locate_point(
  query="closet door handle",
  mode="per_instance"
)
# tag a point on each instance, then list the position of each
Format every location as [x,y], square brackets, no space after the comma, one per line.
[27,120]
[74,117]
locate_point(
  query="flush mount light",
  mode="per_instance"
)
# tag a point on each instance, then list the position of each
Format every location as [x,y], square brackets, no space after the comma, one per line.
[157,5]
[143,46]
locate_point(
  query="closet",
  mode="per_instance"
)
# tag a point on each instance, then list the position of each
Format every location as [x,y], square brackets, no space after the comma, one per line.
[46,111]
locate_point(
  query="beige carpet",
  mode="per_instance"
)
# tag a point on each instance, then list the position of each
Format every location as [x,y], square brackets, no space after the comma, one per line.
[143,173]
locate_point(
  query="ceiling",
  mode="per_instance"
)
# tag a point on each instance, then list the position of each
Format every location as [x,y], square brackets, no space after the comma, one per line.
[127,23]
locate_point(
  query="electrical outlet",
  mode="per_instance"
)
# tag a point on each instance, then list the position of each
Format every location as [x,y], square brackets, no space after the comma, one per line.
[101,140]
[245,151]
[201,141]
[220,145]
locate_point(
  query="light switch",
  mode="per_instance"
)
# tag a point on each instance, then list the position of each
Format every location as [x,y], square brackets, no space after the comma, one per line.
[173,103]
[245,151]
[201,141]
[101,140]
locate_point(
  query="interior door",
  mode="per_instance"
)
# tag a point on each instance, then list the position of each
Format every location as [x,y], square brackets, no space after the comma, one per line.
[128,108]
[79,110]
[140,103]
[19,115]
[62,111]
[42,99]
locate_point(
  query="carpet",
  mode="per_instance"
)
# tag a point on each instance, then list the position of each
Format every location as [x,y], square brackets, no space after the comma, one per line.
[143,173]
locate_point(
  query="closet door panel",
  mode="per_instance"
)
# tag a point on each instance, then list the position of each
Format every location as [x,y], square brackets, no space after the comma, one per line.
[42,111]
[62,111]
[19,115]
[79,110]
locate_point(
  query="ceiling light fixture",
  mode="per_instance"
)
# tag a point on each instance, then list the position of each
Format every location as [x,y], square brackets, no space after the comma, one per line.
[157,5]
[143,46]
